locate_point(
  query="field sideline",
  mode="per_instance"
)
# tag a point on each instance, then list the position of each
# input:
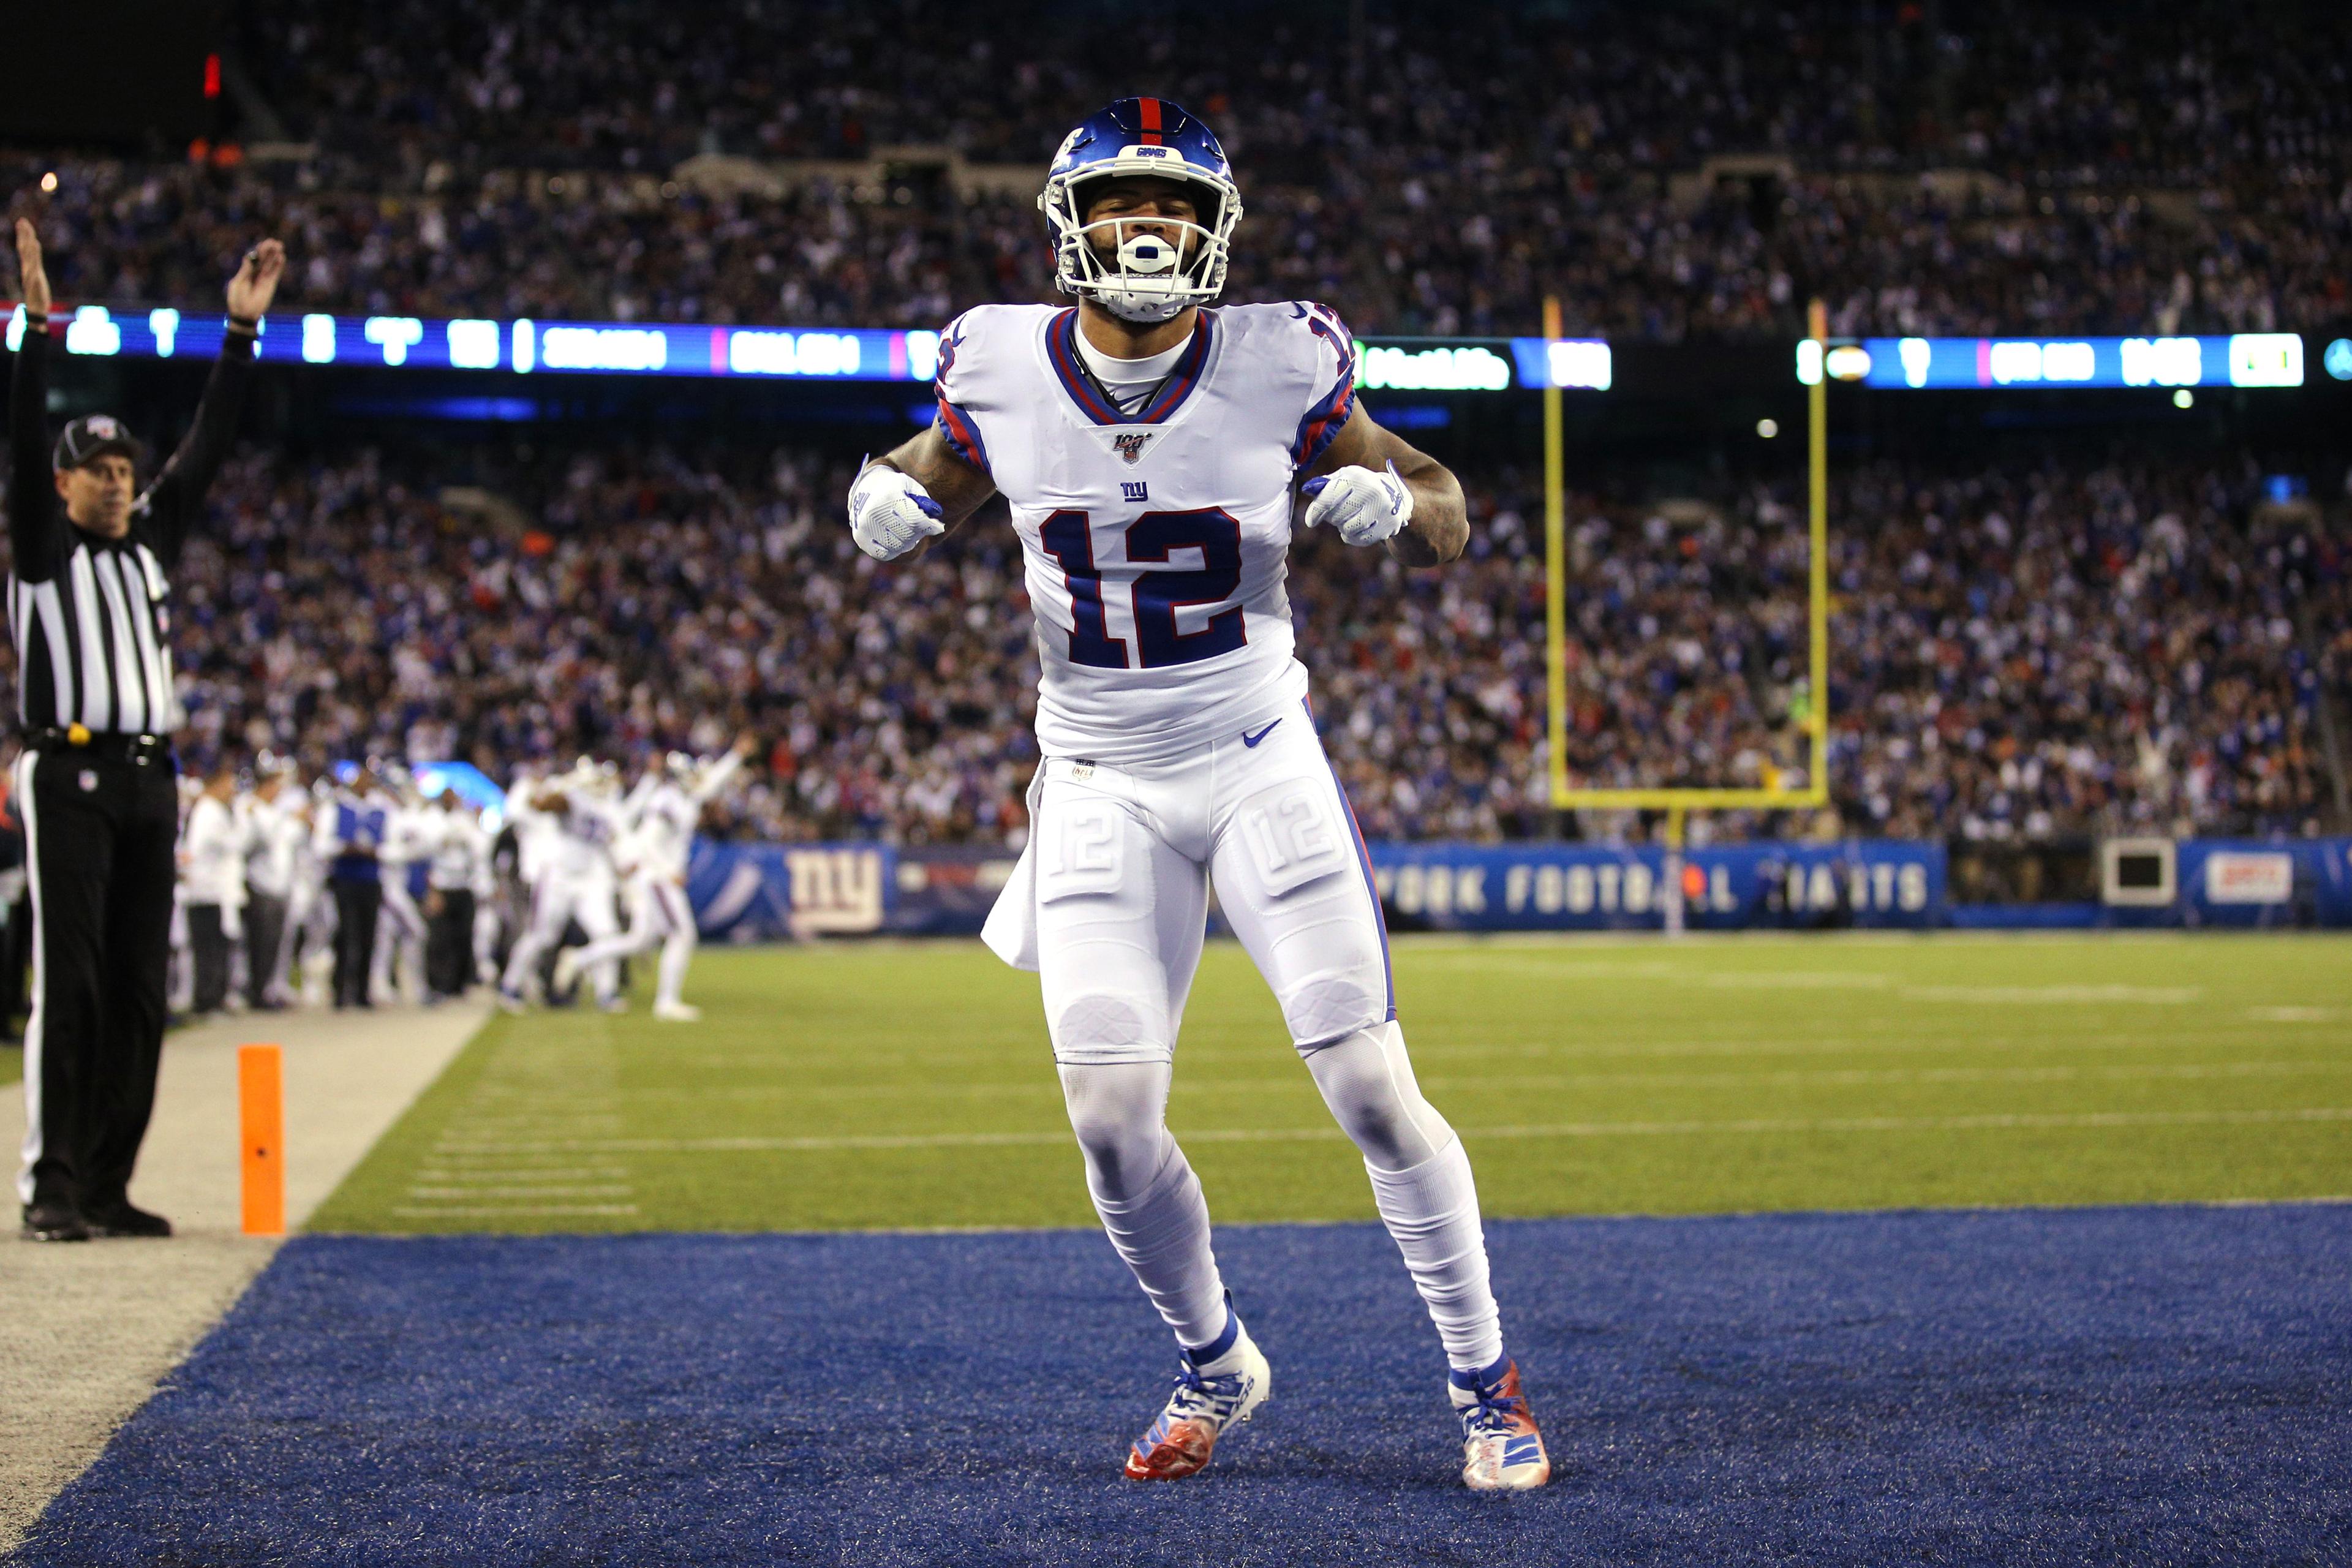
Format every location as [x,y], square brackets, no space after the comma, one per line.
[905,1086]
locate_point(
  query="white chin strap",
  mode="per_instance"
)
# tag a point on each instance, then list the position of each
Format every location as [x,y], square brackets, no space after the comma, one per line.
[1134,304]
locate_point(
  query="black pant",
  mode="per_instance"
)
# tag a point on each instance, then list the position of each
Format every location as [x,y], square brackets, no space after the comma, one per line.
[16,959]
[449,942]
[356,904]
[208,946]
[100,832]
[264,932]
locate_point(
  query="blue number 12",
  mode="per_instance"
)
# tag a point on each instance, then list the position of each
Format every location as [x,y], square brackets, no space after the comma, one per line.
[1158,595]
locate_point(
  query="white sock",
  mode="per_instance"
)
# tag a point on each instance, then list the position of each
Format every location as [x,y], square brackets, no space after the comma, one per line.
[1431,1210]
[1163,1235]
[678,951]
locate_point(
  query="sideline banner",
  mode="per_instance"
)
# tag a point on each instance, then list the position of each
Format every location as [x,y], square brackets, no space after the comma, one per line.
[2266,882]
[769,892]
[1887,883]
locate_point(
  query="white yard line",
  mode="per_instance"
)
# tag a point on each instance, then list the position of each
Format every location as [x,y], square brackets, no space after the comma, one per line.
[88,1329]
[2044,995]
[1998,1119]
[482,1210]
[1045,1087]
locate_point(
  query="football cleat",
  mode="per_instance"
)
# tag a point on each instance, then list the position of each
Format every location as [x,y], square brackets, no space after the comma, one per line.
[512,1002]
[1179,1443]
[677,1011]
[1501,1449]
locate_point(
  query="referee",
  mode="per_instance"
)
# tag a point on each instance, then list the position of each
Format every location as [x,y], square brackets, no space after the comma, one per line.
[88,598]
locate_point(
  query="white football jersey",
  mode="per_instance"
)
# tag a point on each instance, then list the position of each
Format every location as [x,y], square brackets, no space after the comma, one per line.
[662,839]
[1156,542]
[588,828]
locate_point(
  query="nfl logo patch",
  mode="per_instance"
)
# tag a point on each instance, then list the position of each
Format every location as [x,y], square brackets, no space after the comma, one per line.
[88,780]
[103,426]
[1129,444]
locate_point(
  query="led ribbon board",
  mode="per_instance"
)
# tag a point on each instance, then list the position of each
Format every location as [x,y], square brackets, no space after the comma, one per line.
[825,354]
[1382,365]
[2244,359]
[519,347]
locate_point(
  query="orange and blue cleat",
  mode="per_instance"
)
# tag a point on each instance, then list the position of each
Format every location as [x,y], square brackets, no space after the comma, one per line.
[1202,1405]
[1502,1451]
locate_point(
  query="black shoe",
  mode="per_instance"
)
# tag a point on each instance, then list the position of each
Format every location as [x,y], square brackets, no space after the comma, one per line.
[123,1218]
[54,1219]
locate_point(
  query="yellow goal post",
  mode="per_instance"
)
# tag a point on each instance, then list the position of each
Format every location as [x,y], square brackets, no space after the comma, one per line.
[1677,802]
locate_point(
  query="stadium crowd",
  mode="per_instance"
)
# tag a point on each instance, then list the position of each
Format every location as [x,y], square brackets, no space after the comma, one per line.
[2022,650]
[2025,169]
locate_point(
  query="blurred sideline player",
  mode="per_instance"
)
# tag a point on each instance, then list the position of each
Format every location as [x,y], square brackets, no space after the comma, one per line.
[1148,447]
[312,915]
[411,831]
[578,824]
[652,854]
[277,836]
[458,886]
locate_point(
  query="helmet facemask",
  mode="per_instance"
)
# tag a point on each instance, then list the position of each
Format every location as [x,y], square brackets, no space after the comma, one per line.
[1140,268]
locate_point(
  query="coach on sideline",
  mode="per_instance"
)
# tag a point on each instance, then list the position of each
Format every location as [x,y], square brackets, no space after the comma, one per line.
[87,603]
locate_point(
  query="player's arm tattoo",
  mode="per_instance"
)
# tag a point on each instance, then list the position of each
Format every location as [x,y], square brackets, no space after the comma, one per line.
[959,488]
[1441,521]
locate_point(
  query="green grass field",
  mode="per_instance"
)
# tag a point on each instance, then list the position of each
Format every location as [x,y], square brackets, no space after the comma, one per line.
[910,1085]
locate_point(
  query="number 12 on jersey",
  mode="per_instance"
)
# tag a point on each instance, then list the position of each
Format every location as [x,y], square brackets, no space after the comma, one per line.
[1156,595]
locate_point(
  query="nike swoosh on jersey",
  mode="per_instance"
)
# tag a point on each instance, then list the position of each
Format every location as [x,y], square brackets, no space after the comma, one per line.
[1250,740]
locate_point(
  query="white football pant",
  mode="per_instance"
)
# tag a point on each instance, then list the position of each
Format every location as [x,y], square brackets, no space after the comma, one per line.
[1125,859]
[556,900]
[658,915]
[399,940]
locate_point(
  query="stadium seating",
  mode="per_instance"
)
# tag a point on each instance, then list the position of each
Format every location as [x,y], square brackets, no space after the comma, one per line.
[1669,174]
[2026,650]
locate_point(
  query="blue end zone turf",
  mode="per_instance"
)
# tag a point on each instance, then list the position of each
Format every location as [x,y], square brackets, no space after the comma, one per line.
[2089,1386]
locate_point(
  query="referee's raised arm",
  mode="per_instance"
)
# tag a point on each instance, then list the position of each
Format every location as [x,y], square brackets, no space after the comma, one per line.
[174,503]
[33,520]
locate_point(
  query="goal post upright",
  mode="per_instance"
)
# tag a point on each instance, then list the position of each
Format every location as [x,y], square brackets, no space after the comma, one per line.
[1555,570]
[1817,595]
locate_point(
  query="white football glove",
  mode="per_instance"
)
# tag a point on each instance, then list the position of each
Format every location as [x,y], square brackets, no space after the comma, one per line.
[890,513]
[1365,507]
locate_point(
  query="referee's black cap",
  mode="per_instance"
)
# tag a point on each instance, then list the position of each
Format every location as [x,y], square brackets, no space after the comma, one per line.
[93,435]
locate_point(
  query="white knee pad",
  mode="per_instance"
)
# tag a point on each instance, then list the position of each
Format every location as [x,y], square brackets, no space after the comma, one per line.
[1098,1027]
[1325,1008]
[1366,1080]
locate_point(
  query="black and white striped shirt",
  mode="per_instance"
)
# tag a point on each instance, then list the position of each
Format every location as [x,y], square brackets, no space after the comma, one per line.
[93,642]
[90,616]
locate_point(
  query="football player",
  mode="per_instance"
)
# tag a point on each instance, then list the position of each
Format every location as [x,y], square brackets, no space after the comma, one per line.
[574,880]
[652,855]
[1148,446]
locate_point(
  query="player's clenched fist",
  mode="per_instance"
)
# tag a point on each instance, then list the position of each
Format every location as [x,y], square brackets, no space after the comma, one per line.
[1364,506]
[890,513]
